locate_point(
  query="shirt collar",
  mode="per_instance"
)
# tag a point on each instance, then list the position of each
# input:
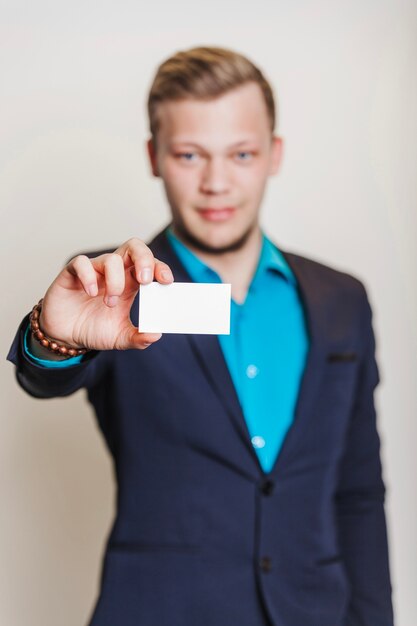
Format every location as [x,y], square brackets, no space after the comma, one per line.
[270,259]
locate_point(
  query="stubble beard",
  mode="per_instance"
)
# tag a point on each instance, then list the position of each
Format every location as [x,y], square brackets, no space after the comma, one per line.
[194,242]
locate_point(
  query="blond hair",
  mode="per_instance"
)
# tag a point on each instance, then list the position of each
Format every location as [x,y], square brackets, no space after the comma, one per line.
[204,73]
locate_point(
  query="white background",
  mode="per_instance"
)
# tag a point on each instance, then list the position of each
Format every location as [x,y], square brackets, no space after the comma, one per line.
[73,176]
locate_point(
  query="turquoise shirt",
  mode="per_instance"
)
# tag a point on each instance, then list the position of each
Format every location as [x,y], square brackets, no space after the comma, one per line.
[267,346]
[265,351]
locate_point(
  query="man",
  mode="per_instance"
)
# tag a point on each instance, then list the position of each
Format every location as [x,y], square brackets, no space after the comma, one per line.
[248,470]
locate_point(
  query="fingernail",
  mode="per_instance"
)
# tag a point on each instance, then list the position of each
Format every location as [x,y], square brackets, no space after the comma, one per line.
[155,338]
[166,275]
[92,290]
[111,300]
[145,275]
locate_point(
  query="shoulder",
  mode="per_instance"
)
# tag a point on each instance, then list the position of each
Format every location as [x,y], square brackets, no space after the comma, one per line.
[331,279]
[339,297]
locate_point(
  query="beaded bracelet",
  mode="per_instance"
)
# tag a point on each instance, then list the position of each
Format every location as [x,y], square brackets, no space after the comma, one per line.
[50,344]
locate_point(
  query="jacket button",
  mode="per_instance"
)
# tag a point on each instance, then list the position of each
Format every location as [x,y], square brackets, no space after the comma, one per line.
[265,564]
[267,487]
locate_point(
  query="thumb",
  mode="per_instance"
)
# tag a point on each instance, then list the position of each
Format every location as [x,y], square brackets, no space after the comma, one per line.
[135,340]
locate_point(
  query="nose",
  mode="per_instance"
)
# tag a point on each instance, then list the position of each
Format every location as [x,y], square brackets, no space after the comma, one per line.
[214,179]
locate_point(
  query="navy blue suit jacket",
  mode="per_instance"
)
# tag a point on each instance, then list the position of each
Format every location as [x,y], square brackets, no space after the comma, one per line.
[202,536]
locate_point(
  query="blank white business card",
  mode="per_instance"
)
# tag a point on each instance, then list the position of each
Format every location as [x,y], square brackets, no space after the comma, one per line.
[197,308]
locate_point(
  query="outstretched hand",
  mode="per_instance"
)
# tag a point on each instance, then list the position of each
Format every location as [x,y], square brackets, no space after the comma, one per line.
[88,304]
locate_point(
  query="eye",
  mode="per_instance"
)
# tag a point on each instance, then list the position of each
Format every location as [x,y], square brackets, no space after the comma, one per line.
[187,157]
[244,155]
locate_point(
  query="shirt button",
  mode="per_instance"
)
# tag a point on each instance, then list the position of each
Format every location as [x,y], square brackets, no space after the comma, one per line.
[265,564]
[252,371]
[267,487]
[258,442]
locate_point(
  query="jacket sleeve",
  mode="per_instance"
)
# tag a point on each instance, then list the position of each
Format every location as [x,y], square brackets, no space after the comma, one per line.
[43,382]
[360,499]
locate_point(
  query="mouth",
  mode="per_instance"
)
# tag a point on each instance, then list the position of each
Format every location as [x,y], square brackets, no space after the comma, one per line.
[216,215]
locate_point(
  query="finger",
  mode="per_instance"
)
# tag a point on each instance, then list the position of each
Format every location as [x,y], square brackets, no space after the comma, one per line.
[162,272]
[81,267]
[135,252]
[114,278]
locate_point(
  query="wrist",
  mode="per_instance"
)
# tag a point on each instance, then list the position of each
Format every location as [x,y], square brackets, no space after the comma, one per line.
[38,351]
[49,346]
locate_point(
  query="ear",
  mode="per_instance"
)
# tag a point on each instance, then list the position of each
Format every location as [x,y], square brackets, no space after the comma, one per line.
[276,154]
[151,149]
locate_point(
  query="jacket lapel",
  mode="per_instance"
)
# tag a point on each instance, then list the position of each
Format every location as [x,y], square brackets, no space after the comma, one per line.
[207,351]
[313,300]
[209,354]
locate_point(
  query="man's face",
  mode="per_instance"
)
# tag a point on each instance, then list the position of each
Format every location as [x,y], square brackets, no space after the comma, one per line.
[214,158]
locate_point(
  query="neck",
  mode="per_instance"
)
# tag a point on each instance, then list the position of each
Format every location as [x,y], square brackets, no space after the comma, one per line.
[236,267]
